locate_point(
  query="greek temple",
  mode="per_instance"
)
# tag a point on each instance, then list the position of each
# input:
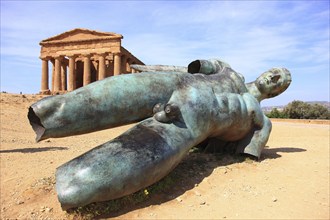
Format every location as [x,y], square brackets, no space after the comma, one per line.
[81,56]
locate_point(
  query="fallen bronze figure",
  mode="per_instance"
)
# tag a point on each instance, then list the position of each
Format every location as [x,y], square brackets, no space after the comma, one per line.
[176,109]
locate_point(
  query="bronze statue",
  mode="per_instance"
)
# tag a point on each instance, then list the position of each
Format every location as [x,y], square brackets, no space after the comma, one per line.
[179,108]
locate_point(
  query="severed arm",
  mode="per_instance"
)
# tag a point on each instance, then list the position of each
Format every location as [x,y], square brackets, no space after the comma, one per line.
[211,66]
[256,140]
[159,68]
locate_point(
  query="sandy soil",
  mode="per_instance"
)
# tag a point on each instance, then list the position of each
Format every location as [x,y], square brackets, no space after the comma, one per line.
[291,181]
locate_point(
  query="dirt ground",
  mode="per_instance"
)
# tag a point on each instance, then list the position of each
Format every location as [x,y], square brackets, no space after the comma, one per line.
[291,180]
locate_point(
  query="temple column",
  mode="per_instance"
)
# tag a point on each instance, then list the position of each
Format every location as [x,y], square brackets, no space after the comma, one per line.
[57,75]
[128,65]
[133,70]
[117,64]
[102,66]
[72,74]
[63,76]
[44,77]
[87,70]
[53,73]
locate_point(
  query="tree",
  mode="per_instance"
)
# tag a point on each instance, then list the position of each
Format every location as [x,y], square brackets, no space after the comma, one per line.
[295,109]
[275,113]
[302,110]
[318,111]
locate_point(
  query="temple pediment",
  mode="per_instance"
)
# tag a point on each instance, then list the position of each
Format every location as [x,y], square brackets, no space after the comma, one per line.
[80,34]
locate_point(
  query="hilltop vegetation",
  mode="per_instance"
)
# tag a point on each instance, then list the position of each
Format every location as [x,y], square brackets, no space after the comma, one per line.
[301,110]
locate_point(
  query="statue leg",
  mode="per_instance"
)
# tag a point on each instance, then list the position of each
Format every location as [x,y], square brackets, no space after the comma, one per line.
[136,159]
[108,103]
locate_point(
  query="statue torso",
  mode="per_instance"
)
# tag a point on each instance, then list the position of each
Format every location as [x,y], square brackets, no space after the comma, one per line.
[218,103]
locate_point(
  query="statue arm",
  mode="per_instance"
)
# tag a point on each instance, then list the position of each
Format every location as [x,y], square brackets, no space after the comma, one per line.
[255,141]
[159,68]
[261,126]
[207,67]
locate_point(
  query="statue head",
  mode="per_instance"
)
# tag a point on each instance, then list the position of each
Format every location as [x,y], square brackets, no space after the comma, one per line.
[273,82]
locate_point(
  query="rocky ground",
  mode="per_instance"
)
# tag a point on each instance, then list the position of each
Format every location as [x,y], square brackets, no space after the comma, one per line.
[291,180]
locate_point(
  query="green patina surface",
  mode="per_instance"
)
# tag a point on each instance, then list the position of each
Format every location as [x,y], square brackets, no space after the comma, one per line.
[178,110]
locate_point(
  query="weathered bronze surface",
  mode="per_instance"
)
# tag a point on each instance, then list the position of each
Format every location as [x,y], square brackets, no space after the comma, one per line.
[104,104]
[180,110]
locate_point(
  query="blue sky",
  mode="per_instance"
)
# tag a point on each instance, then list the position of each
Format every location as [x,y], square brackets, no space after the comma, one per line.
[252,36]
